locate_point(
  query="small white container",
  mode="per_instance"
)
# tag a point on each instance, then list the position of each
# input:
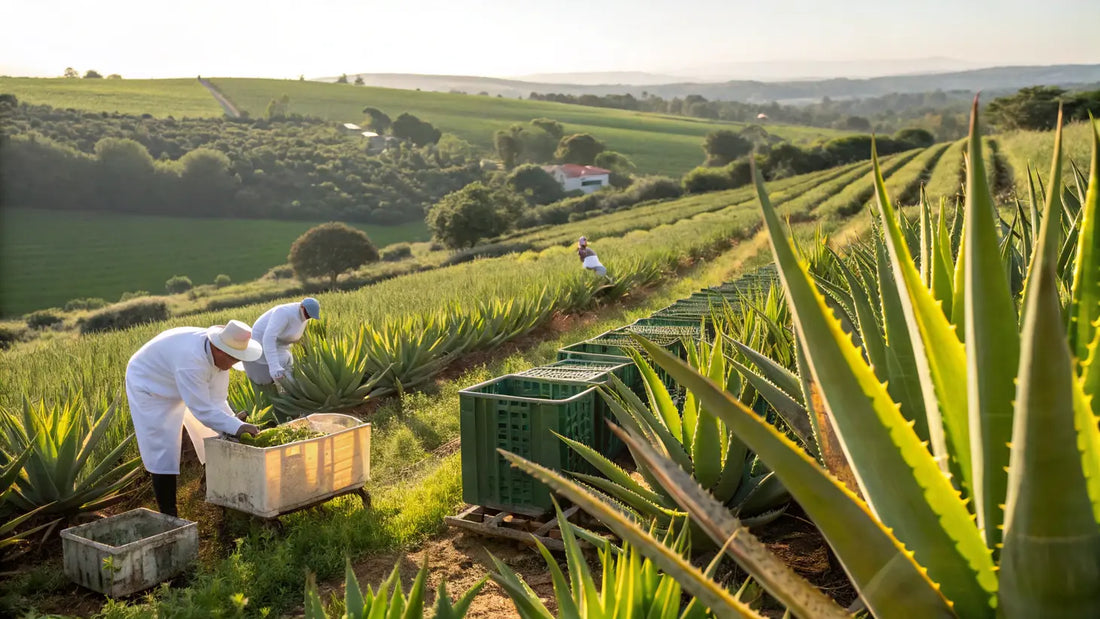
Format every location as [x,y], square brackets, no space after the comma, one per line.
[130,552]
[269,481]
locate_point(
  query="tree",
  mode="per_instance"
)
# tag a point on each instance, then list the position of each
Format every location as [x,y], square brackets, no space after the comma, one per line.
[1034,108]
[417,131]
[114,76]
[550,126]
[534,184]
[358,80]
[343,79]
[71,73]
[92,74]
[508,148]
[622,168]
[278,108]
[856,123]
[918,138]
[377,120]
[330,249]
[579,148]
[222,280]
[208,186]
[723,146]
[477,211]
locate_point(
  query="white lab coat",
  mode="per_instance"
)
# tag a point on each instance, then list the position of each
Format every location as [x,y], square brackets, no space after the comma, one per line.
[172,383]
[276,330]
[591,262]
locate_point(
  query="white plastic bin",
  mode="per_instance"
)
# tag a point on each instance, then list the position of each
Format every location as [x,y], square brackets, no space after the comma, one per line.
[130,552]
[268,481]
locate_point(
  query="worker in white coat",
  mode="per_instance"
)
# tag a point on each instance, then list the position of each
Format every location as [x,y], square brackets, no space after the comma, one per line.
[589,259]
[276,330]
[180,379]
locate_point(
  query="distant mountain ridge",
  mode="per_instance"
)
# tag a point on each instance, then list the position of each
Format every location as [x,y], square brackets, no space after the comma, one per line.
[993,80]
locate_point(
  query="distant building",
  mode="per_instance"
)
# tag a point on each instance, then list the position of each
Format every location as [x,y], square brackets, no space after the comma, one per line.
[761,116]
[584,177]
[352,127]
[378,143]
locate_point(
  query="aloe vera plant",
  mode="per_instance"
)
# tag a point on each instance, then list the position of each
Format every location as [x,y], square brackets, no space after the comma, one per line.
[701,444]
[389,601]
[59,475]
[329,374]
[10,536]
[630,585]
[1007,402]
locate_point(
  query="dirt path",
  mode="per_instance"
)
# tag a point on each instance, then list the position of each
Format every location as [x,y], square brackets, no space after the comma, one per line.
[230,109]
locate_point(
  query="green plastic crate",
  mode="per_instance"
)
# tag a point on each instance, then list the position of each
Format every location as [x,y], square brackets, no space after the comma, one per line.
[520,414]
[586,370]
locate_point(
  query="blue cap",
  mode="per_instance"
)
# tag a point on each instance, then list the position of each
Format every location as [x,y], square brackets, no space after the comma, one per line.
[313,308]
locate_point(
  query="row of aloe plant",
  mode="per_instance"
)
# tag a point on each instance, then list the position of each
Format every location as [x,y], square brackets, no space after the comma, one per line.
[334,371]
[954,396]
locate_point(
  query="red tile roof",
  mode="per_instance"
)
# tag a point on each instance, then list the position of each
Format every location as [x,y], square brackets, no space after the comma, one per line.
[572,170]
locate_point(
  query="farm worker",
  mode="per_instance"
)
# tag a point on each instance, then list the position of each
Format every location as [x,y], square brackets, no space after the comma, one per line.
[180,379]
[589,259]
[276,330]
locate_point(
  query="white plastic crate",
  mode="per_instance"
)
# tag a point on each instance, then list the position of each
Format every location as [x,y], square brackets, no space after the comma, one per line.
[130,552]
[268,481]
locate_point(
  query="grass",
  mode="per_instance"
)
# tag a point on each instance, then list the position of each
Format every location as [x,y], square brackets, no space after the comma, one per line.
[169,97]
[49,257]
[658,144]
[1020,148]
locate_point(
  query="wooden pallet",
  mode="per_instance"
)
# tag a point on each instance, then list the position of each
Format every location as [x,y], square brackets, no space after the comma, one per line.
[525,529]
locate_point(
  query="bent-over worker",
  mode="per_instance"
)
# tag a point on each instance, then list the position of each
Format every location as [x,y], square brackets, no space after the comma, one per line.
[589,259]
[180,379]
[276,330]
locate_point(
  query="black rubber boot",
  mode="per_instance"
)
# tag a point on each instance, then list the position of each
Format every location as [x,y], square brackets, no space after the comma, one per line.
[164,488]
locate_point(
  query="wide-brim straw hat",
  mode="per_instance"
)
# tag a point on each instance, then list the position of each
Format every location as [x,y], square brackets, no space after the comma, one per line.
[235,340]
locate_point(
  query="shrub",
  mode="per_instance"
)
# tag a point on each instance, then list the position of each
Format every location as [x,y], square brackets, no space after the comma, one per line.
[126,296]
[222,280]
[493,250]
[10,334]
[89,303]
[177,284]
[124,315]
[397,251]
[43,319]
[703,179]
[283,271]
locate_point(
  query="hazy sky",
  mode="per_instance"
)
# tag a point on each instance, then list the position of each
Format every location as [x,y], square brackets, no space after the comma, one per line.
[281,38]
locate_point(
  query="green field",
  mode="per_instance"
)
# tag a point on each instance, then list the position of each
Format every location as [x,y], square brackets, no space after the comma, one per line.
[1021,148]
[49,257]
[176,97]
[658,144]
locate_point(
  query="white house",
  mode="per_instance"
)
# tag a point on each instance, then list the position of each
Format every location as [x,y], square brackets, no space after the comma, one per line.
[584,177]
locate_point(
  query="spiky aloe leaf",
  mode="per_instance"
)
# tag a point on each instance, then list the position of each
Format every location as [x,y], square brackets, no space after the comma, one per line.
[900,478]
[943,263]
[1084,305]
[741,545]
[940,358]
[721,602]
[1050,564]
[992,347]
[885,573]
[792,412]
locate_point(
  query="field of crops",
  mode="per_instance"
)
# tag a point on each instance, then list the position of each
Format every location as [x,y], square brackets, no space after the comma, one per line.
[1021,148]
[49,257]
[657,144]
[168,97]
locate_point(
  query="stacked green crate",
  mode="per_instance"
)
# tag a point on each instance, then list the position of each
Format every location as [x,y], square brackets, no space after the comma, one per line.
[521,414]
[579,370]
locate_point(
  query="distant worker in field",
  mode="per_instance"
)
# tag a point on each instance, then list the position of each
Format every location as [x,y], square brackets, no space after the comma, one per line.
[276,330]
[589,259]
[180,380]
